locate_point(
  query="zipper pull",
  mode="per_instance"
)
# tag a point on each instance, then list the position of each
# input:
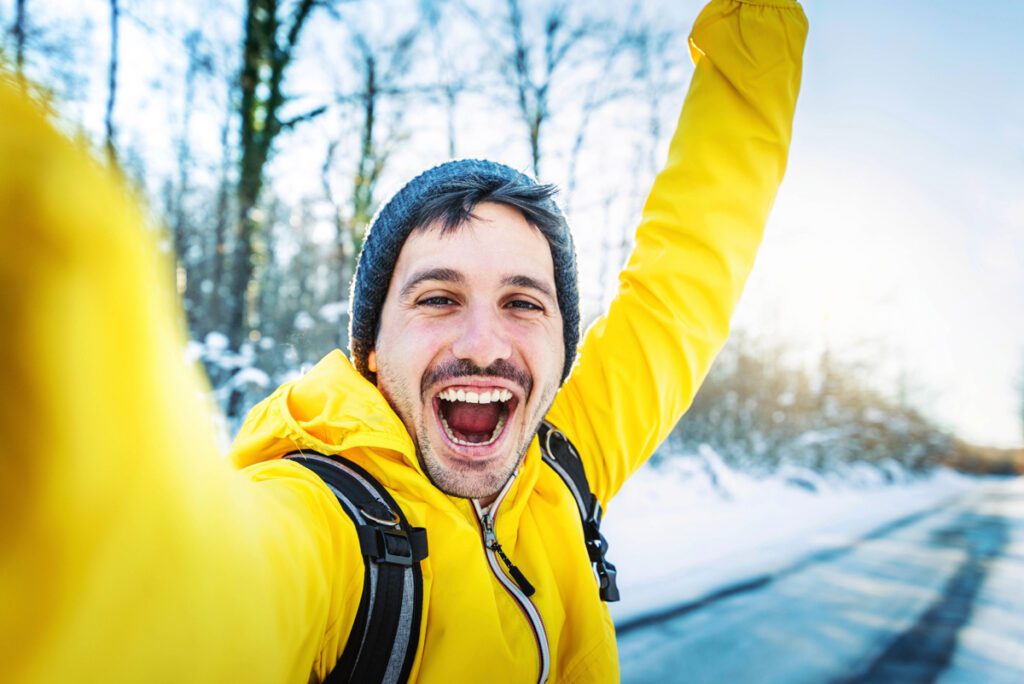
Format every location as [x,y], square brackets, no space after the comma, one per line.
[492,543]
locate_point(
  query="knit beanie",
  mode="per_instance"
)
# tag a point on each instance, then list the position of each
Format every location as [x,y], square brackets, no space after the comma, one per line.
[395,220]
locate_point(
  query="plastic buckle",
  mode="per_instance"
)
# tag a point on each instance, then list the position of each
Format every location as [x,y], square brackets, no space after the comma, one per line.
[595,513]
[597,547]
[606,572]
[386,546]
[396,546]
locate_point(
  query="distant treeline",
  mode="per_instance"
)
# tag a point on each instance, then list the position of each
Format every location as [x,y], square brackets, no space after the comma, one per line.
[759,411]
[969,458]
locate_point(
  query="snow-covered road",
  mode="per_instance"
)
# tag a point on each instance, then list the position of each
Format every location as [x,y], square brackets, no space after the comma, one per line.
[935,594]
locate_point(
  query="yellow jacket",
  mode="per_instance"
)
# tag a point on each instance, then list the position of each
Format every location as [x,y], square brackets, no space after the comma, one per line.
[129,552]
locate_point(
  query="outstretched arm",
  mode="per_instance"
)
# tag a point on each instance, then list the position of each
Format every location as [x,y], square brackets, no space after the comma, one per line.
[641,364]
[129,550]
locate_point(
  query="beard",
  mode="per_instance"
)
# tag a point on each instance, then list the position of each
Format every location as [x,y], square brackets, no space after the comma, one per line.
[462,478]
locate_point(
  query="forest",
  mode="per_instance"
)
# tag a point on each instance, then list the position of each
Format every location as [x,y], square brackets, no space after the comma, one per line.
[263,136]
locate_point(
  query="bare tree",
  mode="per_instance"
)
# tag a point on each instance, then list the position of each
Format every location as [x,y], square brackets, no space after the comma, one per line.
[530,67]
[660,62]
[19,30]
[48,52]
[108,116]
[381,72]
[343,246]
[193,255]
[602,91]
[377,103]
[267,53]
[199,62]
[222,212]
[451,83]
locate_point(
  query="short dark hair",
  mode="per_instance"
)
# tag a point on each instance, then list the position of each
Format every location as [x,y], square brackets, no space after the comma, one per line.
[453,206]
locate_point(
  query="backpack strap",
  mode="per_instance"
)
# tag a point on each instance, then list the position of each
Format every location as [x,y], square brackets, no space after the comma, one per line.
[385,634]
[559,453]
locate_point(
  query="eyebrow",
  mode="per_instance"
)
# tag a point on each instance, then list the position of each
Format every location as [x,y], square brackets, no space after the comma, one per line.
[450,275]
[447,275]
[527,281]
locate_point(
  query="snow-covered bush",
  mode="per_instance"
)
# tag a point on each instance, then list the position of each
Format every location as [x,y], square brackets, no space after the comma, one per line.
[762,412]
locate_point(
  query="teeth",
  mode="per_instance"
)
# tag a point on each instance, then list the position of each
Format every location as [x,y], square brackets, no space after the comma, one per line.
[475,397]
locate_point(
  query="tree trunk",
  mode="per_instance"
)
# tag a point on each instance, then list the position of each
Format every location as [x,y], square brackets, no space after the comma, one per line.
[219,292]
[19,31]
[264,62]
[182,236]
[108,117]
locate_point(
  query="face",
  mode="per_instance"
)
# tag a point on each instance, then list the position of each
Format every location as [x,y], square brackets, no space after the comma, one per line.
[470,349]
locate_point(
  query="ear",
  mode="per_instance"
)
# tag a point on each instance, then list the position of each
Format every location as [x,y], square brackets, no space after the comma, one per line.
[371,361]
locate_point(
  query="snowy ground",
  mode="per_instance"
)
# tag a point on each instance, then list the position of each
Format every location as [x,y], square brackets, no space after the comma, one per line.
[693,527]
[797,579]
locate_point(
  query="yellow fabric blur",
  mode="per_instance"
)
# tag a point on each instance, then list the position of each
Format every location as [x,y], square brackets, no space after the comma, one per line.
[129,551]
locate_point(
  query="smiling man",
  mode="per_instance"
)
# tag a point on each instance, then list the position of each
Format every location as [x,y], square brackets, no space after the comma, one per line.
[131,553]
[465,337]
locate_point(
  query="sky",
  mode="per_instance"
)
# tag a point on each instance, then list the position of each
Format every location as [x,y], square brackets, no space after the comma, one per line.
[898,234]
[897,239]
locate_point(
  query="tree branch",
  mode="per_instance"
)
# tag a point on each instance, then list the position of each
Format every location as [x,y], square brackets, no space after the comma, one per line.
[302,118]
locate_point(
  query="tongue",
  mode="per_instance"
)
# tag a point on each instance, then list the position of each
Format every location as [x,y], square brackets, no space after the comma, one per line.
[473,420]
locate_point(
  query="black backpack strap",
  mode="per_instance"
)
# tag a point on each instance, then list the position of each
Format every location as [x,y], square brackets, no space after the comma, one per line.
[559,453]
[385,634]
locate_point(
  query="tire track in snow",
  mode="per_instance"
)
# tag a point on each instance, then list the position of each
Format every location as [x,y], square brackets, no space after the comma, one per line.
[923,651]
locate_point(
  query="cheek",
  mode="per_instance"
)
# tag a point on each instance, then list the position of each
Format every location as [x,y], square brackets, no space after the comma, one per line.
[542,351]
[425,340]
[411,350]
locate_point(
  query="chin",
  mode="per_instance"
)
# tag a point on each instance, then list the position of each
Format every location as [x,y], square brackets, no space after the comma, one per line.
[472,464]
[466,472]
[472,434]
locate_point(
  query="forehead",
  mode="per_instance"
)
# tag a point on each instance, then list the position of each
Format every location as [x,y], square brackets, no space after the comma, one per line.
[496,242]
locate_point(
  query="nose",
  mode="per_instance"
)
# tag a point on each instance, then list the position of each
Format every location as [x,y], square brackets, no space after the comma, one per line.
[481,338]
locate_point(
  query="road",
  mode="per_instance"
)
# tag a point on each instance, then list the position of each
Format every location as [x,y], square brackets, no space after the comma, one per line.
[936,597]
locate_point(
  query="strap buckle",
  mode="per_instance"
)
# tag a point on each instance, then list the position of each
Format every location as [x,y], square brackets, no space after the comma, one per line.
[393,545]
[597,547]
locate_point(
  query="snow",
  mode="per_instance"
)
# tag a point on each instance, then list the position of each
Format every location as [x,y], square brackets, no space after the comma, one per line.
[334,311]
[250,376]
[933,595]
[680,531]
[216,341]
[304,321]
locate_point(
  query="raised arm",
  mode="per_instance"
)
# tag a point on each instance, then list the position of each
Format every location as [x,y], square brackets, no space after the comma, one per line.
[641,364]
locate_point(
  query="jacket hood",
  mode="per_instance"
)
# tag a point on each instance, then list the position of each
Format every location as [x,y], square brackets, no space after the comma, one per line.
[331,409]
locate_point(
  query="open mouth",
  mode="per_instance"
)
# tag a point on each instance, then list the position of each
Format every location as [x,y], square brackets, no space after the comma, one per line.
[474,417]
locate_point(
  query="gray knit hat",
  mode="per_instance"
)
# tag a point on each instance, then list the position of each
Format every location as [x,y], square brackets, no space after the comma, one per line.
[421,200]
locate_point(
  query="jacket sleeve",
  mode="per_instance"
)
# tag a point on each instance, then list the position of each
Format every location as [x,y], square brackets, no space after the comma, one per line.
[129,549]
[641,364]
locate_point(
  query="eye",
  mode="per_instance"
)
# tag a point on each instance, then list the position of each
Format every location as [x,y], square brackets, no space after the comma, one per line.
[524,305]
[436,301]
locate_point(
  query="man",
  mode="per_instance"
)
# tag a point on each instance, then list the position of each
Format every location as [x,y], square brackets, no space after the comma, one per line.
[130,553]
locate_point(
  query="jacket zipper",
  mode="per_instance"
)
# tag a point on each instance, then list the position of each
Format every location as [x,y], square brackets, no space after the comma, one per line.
[520,589]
